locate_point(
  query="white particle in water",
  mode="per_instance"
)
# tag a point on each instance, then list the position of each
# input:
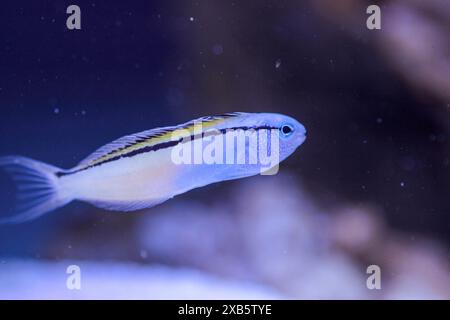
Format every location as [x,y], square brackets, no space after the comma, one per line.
[402,184]
[56,110]
[277,63]
[191,19]
[144,254]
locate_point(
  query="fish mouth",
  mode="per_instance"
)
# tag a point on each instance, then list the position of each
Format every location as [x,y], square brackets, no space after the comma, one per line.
[302,132]
[301,137]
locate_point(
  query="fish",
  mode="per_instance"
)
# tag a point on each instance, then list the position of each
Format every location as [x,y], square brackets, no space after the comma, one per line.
[147,168]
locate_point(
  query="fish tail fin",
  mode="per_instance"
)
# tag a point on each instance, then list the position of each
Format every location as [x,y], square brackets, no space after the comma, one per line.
[38,188]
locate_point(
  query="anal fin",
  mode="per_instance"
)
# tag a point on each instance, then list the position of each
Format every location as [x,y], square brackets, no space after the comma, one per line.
[126,206]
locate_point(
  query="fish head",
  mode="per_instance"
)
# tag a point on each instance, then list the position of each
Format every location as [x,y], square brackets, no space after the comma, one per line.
[278,137]
[289,132]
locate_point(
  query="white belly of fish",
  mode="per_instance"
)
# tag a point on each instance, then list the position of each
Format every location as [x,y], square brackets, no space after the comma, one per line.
[146,177]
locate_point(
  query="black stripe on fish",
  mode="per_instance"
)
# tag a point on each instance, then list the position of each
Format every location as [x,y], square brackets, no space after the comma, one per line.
[162,145]
[142,137]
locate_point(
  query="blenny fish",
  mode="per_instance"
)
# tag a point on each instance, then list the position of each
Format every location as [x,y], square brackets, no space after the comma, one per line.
[138,171]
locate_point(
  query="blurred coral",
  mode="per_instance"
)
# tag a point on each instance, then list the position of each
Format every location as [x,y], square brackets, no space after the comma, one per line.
[21,279]
[287,242]
[414,37]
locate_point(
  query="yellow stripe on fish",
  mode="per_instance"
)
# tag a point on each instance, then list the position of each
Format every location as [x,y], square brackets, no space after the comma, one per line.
[146,139]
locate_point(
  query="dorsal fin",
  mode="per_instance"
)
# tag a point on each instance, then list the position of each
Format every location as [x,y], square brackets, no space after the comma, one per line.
[147,137]
[122,143]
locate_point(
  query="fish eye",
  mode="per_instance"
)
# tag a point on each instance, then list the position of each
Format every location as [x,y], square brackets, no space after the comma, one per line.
[286,130]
